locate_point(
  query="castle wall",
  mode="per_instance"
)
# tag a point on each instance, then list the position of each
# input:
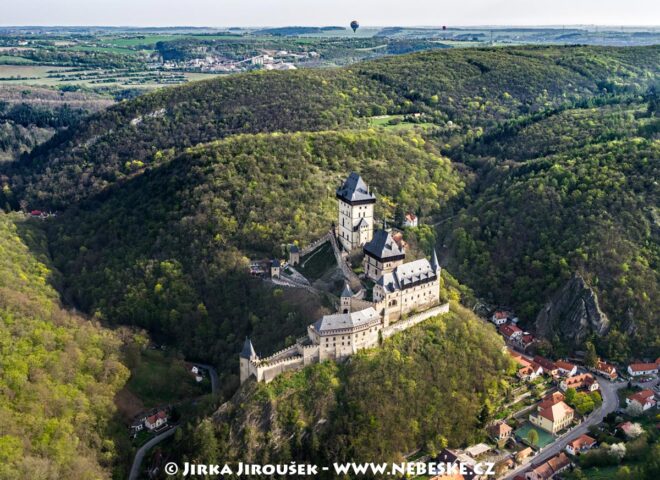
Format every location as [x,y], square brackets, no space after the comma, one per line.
[414,320]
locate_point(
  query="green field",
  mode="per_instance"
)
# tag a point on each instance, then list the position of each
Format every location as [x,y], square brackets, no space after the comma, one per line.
[160,379]
[384,122]
[12,60]
[317,262]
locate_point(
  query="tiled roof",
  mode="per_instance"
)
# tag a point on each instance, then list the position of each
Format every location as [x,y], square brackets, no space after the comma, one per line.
[564,365]
[556,412]
[642,396]
[407,275]
[582,441]
[383,246]
[340,321]
[643,367]
[355,190]
[548,365]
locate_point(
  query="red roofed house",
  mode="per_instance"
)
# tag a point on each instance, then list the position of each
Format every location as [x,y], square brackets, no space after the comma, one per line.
[500,318]
[156,420]
[606,370]
[530,372]
[566,368]
[580,444]
[510,331]
[519,359]
[552,414]
[500,431]
[549,367]
[584,380]
[410,220]
[639,369]
[549,469]
[526,340]
[645,398]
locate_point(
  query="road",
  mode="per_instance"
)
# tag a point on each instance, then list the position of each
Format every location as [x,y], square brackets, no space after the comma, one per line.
[608,390]
[214,377]
[139,456]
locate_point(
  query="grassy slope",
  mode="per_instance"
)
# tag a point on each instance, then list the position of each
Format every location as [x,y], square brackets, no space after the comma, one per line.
[59,372]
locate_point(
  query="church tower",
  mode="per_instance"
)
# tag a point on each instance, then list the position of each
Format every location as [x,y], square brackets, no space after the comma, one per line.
[247,354]
[346,296]
[355,225]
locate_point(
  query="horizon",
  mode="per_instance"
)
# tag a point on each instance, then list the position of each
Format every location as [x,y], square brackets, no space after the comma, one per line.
[370,13]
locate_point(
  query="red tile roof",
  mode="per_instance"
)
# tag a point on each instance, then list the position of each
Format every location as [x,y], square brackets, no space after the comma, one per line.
[508,330]
[642,396]
[582,441]
[643,367]
[564,365]
[548,365]
[580,381]
[555,412]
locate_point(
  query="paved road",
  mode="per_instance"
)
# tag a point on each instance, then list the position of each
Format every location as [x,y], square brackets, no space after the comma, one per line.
[610,403]
[139,456]
[214,377]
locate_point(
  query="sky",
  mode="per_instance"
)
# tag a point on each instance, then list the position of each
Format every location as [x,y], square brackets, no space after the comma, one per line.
[226,13]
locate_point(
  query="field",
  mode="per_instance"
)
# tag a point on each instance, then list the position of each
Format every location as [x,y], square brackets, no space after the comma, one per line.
[160,380]
[396,122]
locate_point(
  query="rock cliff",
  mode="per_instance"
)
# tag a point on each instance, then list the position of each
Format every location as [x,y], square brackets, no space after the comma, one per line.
[573,313]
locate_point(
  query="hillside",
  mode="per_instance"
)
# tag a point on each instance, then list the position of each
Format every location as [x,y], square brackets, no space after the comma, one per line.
[167,251]
[580,197]
[473,88]
[59,372]
[381,405]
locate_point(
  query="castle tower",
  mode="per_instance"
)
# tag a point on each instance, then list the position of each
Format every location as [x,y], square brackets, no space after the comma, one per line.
[246,356]
[346,296]
[435,265]
[355,213]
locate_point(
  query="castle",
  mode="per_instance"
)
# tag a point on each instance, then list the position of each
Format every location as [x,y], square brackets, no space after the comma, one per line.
[404,294]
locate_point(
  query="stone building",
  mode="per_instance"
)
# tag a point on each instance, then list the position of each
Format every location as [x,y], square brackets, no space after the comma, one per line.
[382,254]
[355,225]
[410,287]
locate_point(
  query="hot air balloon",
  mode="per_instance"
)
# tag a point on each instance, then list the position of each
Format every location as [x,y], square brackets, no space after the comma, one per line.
[355,25]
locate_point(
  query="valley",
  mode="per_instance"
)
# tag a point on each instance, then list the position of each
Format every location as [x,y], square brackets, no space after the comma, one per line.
[531,169]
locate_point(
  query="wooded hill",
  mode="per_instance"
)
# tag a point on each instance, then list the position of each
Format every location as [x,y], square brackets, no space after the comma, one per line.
[435,385]
[58,371]
[167,250]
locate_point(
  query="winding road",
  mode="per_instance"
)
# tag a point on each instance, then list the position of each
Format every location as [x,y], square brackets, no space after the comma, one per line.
[142,451]
[608,390]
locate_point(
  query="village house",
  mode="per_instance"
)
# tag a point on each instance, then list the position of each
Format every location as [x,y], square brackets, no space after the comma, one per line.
[606,370]
[549,367]
[155,421]
[552,414]
[523,454]
[500,318]
[641,369]
[356,213]
[410,220]
[580,444]
[518,358]
[530,372]
[510,332]
[500,431]
[644,398]
[549,469]
[583,381]
[463,470]
[566,368]
[526,340]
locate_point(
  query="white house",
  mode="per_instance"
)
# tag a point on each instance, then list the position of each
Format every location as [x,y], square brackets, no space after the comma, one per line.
[645,398]
[500,318]
[566,368]
[410,220]
[156,420]
[640,369]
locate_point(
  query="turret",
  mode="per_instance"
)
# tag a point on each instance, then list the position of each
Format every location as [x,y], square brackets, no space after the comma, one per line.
[346,296]
[247,356]
[435,265]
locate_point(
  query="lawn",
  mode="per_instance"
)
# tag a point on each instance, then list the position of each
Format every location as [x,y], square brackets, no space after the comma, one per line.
[160,380]
[317,262]
[384,122]
[600,473]
[545,438]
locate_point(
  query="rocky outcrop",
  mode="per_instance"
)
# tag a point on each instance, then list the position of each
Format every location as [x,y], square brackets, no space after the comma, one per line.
[573,313]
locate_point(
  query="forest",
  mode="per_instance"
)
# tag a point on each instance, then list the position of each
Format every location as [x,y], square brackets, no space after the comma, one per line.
[59,371]
[533,163]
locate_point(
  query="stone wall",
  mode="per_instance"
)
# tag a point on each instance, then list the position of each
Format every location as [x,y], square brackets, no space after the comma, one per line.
[402,325]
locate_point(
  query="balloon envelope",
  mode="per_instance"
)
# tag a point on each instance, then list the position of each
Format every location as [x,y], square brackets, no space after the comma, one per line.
[355,25]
